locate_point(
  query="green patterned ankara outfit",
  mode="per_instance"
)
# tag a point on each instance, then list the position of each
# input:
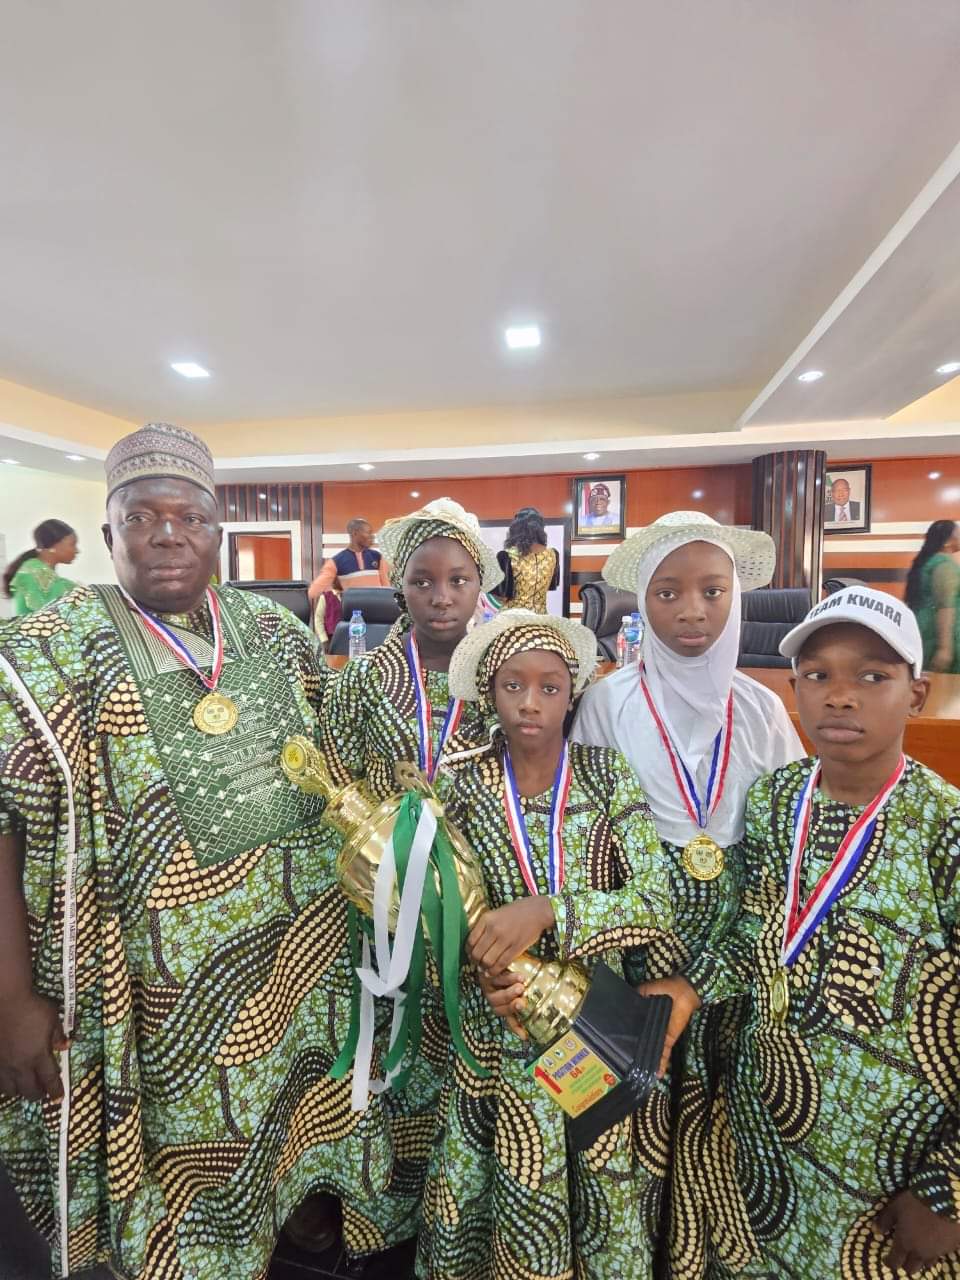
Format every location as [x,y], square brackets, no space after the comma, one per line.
[211,990]
[505,1198]
[857,1095]
[35,585]
[369,723]
[703,911]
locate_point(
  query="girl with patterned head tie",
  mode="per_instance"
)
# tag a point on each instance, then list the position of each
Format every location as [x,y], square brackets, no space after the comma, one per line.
[394,704]
[698,733]
[572,869]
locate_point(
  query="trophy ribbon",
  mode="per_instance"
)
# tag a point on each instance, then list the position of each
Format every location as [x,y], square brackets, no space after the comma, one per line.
[418,846]
[393,964]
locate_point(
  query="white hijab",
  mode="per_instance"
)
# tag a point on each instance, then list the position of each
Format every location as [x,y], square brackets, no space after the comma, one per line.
[690,694]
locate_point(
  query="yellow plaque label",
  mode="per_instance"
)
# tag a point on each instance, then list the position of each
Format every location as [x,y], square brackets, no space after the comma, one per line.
[573,1075]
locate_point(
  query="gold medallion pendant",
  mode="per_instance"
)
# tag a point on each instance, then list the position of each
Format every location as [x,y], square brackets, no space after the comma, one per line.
[703,858]
[779,996]
[215,714]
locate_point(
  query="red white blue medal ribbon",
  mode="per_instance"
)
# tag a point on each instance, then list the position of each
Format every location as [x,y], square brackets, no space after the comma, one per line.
[800,923]
[700,811]
[176,646]
[426,760]
[556,870]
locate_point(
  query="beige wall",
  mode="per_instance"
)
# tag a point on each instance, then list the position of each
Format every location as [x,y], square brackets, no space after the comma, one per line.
[27,497]
[596,419]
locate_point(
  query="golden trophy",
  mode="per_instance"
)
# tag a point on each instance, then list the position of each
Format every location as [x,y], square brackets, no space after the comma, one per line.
[602,1041]
[554,991]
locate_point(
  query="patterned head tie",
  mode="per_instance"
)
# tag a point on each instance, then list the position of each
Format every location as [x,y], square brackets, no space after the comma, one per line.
[479,656]
[442,518]
[160,451]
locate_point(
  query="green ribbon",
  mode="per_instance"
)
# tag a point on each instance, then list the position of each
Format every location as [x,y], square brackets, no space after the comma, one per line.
[443,915]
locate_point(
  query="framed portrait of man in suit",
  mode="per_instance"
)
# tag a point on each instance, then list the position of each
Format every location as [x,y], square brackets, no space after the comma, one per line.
[846,499]
[599,506]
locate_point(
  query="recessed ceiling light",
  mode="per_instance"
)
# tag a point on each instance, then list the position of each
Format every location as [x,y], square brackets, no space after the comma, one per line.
[591,457]
[697,493]
[522,337]
[365,466]
[414,493]
[933,475]
[811,375]
[189,369]
[10,462]
[952,366]
[74,457]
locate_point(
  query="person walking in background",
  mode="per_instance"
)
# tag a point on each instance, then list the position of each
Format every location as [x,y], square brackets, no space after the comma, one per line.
[933,591]
[357,565]
[530,567]
[31,581]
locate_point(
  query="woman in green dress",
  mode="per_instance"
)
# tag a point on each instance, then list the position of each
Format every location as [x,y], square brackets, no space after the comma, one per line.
[31,581]
[393,704]
[573,869]
[933,593]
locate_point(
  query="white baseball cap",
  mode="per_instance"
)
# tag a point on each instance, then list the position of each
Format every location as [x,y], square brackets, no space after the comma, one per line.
[877,610]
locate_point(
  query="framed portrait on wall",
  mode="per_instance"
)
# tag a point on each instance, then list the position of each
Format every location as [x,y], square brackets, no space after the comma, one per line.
[846,499]
[599,507]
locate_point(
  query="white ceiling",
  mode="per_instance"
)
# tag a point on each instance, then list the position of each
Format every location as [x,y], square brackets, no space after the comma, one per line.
[337,204]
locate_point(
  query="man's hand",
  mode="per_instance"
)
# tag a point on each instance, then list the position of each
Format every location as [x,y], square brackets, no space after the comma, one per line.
[30,1034]
[505,997]
[919,1236]
[685,1003]
[501,935]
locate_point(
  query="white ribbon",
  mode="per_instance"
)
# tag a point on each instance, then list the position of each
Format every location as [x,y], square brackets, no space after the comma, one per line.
[393,965]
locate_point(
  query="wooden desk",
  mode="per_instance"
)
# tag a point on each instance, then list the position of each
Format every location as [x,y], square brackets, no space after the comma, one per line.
[933,737]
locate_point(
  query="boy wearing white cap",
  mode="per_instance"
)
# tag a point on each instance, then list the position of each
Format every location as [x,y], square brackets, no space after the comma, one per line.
[843,1157]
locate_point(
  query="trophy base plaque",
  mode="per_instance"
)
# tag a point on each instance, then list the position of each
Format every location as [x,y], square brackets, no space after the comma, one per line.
[604,1067]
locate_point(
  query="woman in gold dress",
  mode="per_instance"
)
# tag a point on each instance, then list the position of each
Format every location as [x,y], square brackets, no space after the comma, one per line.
[530,567]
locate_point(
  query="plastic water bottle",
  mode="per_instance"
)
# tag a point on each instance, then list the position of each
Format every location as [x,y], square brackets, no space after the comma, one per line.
[623,644]
[358,634]
[634,636]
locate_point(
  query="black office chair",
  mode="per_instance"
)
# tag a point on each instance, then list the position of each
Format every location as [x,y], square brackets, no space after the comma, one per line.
[380,611]
[767,614]
[292,595]
[603,610]
[832,585]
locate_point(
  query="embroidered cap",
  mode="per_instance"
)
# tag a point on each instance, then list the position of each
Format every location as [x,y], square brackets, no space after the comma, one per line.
[156,451]
[880,612]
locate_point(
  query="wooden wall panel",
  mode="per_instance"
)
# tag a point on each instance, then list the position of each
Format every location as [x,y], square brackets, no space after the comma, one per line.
[905,498]
[903,490]
[725,494]
[284,501]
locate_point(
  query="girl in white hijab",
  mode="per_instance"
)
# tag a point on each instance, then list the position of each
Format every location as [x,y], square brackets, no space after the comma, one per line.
[698,733]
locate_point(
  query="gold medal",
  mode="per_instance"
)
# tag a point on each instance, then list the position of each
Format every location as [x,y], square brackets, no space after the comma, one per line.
[703,858]
[215,714]
[779,996]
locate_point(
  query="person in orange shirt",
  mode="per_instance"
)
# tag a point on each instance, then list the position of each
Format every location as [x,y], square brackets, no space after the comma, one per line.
[357,565]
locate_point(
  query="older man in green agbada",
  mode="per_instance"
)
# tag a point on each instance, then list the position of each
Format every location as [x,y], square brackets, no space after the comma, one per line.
[171,940]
